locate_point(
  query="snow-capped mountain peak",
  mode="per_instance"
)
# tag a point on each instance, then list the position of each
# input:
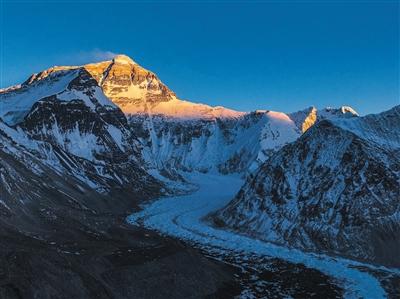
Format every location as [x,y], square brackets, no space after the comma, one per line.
[134,89]
[173,133]
[65,83]
[308,117]
[345,111]
[139,91]
[336,188]
[123,59]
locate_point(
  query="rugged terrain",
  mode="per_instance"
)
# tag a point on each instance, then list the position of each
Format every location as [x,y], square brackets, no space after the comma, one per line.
[173,134]
[83,146]
[70,171]
[62,239]
[335,189]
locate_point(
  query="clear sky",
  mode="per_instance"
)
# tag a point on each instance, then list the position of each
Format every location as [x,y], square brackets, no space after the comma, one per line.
[274,55]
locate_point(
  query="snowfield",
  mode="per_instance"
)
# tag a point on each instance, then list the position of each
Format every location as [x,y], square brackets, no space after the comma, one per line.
[183,217]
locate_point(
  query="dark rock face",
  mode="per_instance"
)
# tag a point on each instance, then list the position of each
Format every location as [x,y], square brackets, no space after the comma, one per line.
[336,189]
[93,135]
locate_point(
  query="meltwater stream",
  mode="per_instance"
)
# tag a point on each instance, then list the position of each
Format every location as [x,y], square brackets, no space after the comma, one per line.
[182,217]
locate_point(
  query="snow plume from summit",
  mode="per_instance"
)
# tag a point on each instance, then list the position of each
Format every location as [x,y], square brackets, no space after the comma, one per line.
[90,56]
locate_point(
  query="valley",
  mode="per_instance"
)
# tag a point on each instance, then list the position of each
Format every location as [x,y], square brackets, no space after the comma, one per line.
[186,218]
[112,181]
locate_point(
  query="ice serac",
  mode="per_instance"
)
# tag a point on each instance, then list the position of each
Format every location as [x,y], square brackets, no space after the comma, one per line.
[335,189]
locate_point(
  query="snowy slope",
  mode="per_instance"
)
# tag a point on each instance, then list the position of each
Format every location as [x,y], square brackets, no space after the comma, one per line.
[226,145]
[221,145]
[306,118]
[323,180]
[27,177]
[173,134]
[76,130]
[178,134]
[337,189]
[15,103]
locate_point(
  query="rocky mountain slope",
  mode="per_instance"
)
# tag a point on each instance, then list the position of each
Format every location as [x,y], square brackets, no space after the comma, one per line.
[81,146]
[172,134]
[224,145]
[72,166]
[115,128]
[335,189]
[70,171]
[66,121]
[63,239]
[180,135]
[306,118]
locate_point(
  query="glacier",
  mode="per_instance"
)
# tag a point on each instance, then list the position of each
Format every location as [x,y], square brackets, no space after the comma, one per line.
[185,217]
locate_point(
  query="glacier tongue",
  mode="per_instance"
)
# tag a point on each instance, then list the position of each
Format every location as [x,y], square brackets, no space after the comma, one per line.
[183,217]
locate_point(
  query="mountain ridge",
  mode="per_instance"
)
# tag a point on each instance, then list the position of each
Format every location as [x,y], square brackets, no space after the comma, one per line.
[81,147]
[124,70]
[335,189]
[173,134]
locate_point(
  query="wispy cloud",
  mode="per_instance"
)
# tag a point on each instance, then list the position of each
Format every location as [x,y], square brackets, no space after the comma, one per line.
[83,57]
[98,55]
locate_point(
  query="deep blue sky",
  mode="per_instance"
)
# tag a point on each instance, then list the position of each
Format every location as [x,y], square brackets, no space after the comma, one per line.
[280,56]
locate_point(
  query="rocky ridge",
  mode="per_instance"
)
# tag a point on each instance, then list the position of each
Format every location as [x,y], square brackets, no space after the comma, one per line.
[335,189]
